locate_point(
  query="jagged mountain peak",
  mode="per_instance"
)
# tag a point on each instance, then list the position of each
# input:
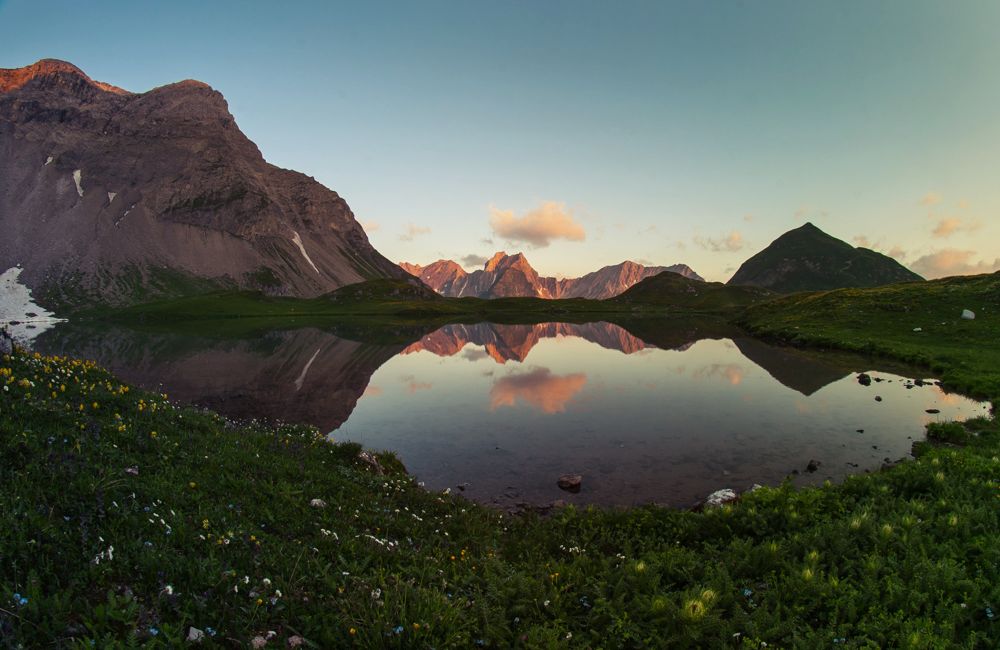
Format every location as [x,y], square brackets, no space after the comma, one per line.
[506,275]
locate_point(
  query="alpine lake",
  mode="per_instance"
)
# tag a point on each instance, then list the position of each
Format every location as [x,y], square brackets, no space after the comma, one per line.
[663,413]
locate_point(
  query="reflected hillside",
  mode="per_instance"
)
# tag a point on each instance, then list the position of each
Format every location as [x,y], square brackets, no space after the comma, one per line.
[505,343]
[806,371]
[299,376]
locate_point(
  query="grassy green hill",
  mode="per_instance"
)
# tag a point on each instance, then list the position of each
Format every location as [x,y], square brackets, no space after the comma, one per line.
[808,259]
[916,322]
[674,291]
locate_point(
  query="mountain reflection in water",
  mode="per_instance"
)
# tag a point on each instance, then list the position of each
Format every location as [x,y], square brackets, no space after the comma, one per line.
[689,407]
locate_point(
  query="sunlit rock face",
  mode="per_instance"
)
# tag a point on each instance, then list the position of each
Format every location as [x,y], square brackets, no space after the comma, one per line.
[512,276]
[113,195]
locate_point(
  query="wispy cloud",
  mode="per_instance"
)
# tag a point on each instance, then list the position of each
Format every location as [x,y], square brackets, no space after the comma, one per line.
[729,243]
[950,225]
[549,221]
[413,231]
[952,261]
[897,252]
[931,198]
[474,260]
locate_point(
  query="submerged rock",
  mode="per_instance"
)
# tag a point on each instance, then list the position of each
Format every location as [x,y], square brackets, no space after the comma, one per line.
[570,482]
[812,466]
[865,379]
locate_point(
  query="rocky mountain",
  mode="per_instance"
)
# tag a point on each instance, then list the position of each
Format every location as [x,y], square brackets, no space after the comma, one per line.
[808,259]
[505,276]
[116,196]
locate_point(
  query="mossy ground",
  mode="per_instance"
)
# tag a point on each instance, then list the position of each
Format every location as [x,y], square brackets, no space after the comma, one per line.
[125,519]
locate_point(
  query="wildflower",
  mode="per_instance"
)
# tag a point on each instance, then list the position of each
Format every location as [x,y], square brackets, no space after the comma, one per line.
[153,631]
[807,574]
[352,631]
[192,485]
[398,629]
[258,642]
[694,609]
[416,626]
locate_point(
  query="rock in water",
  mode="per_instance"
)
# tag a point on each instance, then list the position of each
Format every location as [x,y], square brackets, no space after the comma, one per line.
[570,482]
[720,497]
[968,314]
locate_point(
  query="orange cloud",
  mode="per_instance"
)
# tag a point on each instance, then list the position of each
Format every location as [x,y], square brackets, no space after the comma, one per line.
[951,225]
[372,391]
[538,227]
[414,386]
[730,243]
[370,226]
[539,388]
[951,261]
[413,231]
[931,198]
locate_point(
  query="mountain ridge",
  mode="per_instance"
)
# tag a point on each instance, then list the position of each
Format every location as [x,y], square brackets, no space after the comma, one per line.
[504,276]
[112,196]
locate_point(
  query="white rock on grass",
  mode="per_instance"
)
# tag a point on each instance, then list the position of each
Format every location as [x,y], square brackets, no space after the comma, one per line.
[968,314]
[318,503]
[195,635]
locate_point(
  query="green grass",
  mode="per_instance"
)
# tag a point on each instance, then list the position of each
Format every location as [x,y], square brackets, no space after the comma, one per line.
[883,320]
[214,528]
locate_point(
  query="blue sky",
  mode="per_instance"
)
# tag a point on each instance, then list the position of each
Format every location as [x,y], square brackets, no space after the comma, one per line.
[587,133]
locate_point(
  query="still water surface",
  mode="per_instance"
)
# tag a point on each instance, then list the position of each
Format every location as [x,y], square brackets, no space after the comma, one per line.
[501,411]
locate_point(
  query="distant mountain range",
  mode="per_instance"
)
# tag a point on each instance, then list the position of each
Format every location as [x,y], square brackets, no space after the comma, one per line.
[505,276]
[808,259]
[117,197]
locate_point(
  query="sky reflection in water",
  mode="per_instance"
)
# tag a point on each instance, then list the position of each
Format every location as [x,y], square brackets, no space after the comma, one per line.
[648,425]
